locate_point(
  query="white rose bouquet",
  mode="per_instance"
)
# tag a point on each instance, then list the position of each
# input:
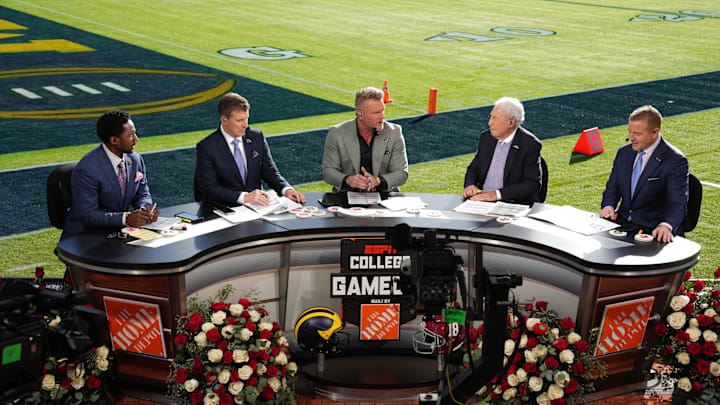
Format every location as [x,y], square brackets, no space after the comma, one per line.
[552,364]
[688,343]
[229,353]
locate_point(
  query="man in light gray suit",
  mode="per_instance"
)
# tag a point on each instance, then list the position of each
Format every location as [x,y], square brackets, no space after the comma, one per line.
[366,153]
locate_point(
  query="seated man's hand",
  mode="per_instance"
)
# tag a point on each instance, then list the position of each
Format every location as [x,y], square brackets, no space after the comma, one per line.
[257,197]
[608,213]
[470,191]
[138,218]
[154,213]
[357,181]
[485,196]
[296,196]
[372,181]
[662,234]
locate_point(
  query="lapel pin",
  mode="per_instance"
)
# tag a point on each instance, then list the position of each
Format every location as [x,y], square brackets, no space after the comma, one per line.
[516,147]
[248,140]
[658,159]
[385,140]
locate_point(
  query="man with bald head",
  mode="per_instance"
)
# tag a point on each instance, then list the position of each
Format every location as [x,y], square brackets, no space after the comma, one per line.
[507,163]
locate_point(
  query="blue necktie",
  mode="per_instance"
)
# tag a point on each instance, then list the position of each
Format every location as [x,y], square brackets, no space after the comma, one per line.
[239,159]
[637,169]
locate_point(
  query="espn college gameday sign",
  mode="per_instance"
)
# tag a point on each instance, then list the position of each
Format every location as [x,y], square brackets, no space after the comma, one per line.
[135,326]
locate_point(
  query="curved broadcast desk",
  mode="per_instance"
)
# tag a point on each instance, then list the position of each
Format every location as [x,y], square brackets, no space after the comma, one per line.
[289,261]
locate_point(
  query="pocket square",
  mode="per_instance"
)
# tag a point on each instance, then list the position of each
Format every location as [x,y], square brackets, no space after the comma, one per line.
[255,154]
[138,176]
[653,178]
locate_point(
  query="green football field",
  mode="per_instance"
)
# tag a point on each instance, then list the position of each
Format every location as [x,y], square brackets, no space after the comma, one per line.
[473,52]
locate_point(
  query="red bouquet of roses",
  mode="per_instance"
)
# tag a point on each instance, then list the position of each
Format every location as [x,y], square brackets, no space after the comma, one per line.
[689,344]
[229,353]
[550,362]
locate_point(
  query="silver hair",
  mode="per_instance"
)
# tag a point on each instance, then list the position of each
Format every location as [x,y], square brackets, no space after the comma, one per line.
[368,93]
[513,108]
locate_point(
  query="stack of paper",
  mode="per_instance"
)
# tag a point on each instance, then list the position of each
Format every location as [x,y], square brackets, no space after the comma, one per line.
[402,203]
[584,222]
[499,209]
[277,205]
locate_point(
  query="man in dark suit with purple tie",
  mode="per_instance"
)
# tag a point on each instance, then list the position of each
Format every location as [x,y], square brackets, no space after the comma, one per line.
[507,163]
[650,180]
[110,180]
[233,160]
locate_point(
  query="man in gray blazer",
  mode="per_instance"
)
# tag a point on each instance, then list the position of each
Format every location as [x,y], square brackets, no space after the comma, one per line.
[366,153]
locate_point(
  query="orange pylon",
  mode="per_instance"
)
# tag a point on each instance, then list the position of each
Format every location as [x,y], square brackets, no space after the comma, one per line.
[386,93]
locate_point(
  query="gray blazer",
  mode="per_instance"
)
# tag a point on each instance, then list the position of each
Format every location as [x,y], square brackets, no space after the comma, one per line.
[342,155]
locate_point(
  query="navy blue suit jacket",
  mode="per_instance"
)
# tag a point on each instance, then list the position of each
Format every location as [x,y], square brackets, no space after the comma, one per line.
[218,176]
[522,177]
[97,200]
[661,194]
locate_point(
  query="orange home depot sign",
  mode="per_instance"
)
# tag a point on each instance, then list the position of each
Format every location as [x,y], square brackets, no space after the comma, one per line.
[623,325]
[379,321]
[135,326]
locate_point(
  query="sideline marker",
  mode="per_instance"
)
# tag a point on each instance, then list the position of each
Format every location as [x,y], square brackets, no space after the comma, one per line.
[590,142]
[432,100]
[386,93]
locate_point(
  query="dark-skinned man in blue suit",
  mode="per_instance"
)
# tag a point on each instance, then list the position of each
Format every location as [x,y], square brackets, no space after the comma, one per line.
[110,180]
[233,160]
[657,200]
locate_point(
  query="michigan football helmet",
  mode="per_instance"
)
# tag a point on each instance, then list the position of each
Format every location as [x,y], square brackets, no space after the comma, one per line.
[316,329]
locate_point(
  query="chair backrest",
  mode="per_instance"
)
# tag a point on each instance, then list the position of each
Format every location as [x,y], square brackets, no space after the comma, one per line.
[542,194]
[692,214]
[196,189]
[59,194]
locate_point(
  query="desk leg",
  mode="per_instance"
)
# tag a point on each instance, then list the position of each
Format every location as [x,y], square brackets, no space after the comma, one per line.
[283,278]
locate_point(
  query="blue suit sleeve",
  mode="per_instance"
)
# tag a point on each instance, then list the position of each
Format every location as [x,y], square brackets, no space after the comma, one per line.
[676,193]
[207,176]
[87,194]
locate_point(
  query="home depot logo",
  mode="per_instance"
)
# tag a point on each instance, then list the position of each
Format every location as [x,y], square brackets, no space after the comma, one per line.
[135,326]
[623,325]
[380,321]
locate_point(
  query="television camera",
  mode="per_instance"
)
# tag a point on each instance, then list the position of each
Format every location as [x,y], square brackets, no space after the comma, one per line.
[26,339]
[432,279]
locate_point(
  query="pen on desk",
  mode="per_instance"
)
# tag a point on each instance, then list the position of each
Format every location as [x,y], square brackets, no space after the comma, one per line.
[153,208]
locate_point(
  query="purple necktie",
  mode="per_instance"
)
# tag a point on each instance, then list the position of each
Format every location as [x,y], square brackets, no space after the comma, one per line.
[496,172]
[122,178]
[238,158]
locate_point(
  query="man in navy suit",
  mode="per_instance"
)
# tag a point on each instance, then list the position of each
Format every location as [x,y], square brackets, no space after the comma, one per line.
[650,180]
[232,161]
[110,180]
[507,163]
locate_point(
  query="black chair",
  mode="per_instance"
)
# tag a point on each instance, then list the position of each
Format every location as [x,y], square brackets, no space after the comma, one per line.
[692,213]
[542,194]
[59,194]
[196,189]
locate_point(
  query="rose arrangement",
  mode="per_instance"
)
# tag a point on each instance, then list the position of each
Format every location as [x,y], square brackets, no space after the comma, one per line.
[228,353]
[688,342]
[550,362]
[74,382]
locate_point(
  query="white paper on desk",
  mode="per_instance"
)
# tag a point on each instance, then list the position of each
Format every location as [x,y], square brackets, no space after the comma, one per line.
[501,209]
[576,220]
[162,223]
[356,198]
[402,203]
[277,205]
[193,230]
[239,214]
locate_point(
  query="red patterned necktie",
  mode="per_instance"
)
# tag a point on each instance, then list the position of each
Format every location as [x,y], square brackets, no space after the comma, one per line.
[122,178]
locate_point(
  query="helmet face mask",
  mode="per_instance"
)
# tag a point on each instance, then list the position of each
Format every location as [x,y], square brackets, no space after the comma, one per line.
[316,329]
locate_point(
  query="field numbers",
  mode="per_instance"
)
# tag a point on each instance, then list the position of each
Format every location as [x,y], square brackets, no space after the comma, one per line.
[467,36]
